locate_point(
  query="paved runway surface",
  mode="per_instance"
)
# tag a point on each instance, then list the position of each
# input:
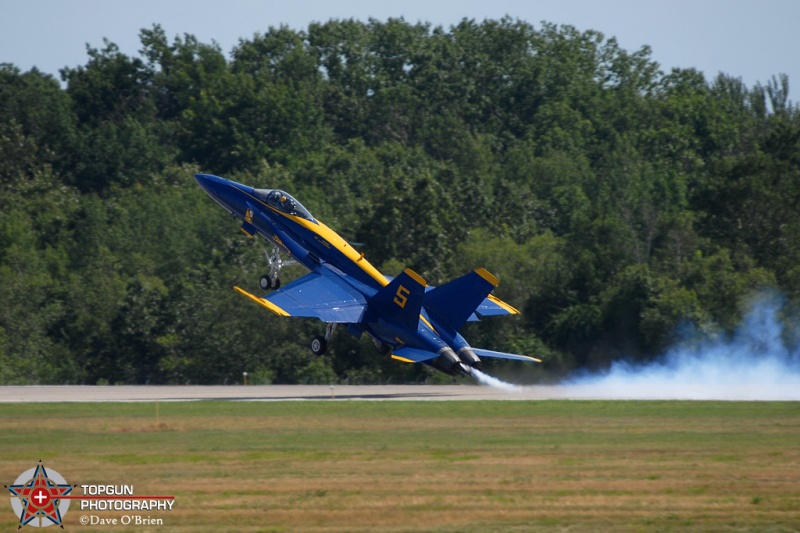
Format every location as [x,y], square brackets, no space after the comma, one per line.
[144,393]
[133,393]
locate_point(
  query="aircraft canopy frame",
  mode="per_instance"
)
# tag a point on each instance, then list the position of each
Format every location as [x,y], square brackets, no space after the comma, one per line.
[284,202]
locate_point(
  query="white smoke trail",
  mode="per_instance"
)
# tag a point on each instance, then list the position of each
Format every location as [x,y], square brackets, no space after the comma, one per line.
[752,364]
[486,379]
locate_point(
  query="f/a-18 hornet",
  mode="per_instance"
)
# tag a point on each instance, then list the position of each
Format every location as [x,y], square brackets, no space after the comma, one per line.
[405,317]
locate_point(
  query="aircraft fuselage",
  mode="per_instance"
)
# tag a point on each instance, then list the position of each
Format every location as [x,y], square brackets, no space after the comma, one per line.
[416,322]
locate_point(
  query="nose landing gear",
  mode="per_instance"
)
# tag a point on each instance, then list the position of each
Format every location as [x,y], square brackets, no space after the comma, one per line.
[275,263]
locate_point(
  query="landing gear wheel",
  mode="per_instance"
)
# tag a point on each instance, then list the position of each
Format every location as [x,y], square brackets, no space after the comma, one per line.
[272,279]
[383,348]
[319,345]
[266,283]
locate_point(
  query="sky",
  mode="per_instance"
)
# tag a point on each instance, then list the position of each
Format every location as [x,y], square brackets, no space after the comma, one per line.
[748,39]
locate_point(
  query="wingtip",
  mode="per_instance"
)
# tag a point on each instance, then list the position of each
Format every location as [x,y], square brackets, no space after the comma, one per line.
[262,302]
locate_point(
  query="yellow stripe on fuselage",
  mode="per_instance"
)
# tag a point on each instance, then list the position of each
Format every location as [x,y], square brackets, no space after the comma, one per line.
[340,244]
[334,239]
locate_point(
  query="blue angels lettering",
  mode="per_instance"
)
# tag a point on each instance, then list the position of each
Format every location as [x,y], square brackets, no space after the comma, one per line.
[405,317]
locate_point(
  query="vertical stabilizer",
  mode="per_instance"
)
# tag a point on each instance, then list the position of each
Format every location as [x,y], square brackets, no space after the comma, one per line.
[401,300]
[454,302]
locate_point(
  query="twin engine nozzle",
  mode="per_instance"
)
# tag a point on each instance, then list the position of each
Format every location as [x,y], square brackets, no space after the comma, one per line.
[452,364]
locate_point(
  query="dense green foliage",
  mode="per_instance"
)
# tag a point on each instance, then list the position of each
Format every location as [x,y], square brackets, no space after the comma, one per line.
[613,200]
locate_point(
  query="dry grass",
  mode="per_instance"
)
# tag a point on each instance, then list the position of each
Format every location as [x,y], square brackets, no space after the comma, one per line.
[428,466]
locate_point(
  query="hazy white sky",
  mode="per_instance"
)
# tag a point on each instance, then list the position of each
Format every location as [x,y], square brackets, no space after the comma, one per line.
[750,39]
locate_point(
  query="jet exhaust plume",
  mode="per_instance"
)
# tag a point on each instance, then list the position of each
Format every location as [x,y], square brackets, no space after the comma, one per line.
[485,379]
[760,361]
[753,363]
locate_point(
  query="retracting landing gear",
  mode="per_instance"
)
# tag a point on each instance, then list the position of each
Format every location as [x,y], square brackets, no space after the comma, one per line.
[381,347]
[271,280]
[319,344]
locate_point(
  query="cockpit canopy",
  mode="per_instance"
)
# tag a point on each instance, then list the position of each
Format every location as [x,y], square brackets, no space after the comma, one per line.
[284,202]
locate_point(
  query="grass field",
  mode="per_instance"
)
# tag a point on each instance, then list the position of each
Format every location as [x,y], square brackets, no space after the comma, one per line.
[424,466]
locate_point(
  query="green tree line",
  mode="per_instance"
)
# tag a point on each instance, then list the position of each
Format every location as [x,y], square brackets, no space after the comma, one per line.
[614,201]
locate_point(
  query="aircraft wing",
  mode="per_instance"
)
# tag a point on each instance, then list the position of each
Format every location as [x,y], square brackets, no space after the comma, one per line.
[314,296]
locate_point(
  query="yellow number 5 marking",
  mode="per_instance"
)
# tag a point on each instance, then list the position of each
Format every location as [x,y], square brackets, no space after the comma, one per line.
[401,296]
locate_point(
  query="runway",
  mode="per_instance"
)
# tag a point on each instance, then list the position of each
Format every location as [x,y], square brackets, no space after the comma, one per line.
[146,393]
[165,393]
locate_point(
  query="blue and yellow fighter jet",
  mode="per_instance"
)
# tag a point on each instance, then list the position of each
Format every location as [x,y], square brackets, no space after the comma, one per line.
[405,317]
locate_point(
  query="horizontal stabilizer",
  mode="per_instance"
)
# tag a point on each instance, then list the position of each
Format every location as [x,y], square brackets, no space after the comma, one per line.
[413,355]
[494,306]
[500,355]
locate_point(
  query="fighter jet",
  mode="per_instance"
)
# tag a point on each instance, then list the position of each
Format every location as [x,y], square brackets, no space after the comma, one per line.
[405,317]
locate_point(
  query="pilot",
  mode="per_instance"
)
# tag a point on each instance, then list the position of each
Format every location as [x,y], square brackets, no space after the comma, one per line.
[286,204]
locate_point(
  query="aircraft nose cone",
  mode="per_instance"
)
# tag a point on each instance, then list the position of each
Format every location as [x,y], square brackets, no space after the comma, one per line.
[220,190]
[206,181]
